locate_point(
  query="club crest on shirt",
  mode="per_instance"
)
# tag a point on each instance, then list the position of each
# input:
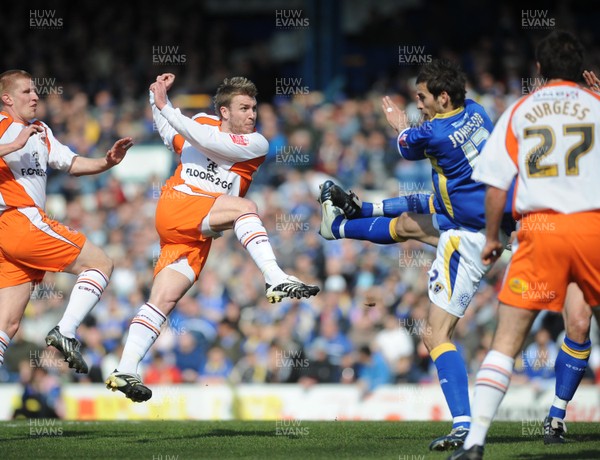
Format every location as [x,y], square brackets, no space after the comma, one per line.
[35,157]
[239,139]
[402,141]
[437,287]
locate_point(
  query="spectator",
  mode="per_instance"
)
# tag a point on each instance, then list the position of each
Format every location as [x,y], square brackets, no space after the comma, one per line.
[373,370]
[189,357]
[217,366]
[394,342]
[41,397]
[319,369]
[161,371]
[538,361]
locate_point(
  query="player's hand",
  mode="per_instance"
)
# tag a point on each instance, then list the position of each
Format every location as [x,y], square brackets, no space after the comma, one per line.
[511,240]
[117,152]
[167,78]
[592,80]
[25,134]
[491,251]
[394,115]
[159,89]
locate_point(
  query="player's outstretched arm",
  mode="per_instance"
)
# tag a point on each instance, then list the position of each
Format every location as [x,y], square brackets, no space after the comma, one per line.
[20,140]
[411,143]
[168,79]
[82,166]
[219,145]
[165,130]
[396,117]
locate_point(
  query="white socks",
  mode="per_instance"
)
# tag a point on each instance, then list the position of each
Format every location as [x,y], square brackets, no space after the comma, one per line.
[144,330]
[252,234]
[85,295]
[491,385]
[4,341]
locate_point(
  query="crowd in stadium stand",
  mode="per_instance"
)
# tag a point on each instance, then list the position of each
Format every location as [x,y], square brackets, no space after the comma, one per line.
[224,329]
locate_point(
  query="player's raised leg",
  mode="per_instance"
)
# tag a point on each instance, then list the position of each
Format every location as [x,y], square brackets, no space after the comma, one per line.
[241,214]
[353,207]
[381,230]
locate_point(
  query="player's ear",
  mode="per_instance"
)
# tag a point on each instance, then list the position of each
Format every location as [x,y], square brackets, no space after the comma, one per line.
[224,112]
[6,99]
[538,68]
[443,98]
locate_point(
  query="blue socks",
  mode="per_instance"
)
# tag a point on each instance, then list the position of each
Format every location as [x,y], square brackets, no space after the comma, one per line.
[393,207]
[377,221]
[452,373]
[375,229]
[569,367]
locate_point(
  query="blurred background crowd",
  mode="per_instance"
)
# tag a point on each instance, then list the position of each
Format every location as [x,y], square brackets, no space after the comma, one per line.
[94,71]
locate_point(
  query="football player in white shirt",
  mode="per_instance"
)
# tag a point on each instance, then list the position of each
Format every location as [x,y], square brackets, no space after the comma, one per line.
[31,243]
[547,140]
[203,198]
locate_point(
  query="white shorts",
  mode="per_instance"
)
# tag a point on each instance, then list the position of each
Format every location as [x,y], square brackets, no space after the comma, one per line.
[457,270]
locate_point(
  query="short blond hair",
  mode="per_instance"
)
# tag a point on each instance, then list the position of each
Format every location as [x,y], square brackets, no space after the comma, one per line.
[231,87]
[8,79]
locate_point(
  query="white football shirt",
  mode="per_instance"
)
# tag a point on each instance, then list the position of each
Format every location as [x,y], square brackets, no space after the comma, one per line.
[548,140]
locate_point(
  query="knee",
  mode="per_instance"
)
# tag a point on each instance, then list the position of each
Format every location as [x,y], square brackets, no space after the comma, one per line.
[106,265]
[164,298]
[247,206]
[12,327]
[578,329]
[102,263]
[402,226]
[434,336]
[429,341]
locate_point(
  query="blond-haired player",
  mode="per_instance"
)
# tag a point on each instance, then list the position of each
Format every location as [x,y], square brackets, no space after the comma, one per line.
[203,198]
[31,243]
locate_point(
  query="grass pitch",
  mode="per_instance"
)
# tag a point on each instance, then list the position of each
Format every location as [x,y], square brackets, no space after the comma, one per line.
[169,440]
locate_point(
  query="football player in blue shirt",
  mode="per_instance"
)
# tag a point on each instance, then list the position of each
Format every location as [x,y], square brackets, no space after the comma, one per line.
[409,217]
[452,218]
